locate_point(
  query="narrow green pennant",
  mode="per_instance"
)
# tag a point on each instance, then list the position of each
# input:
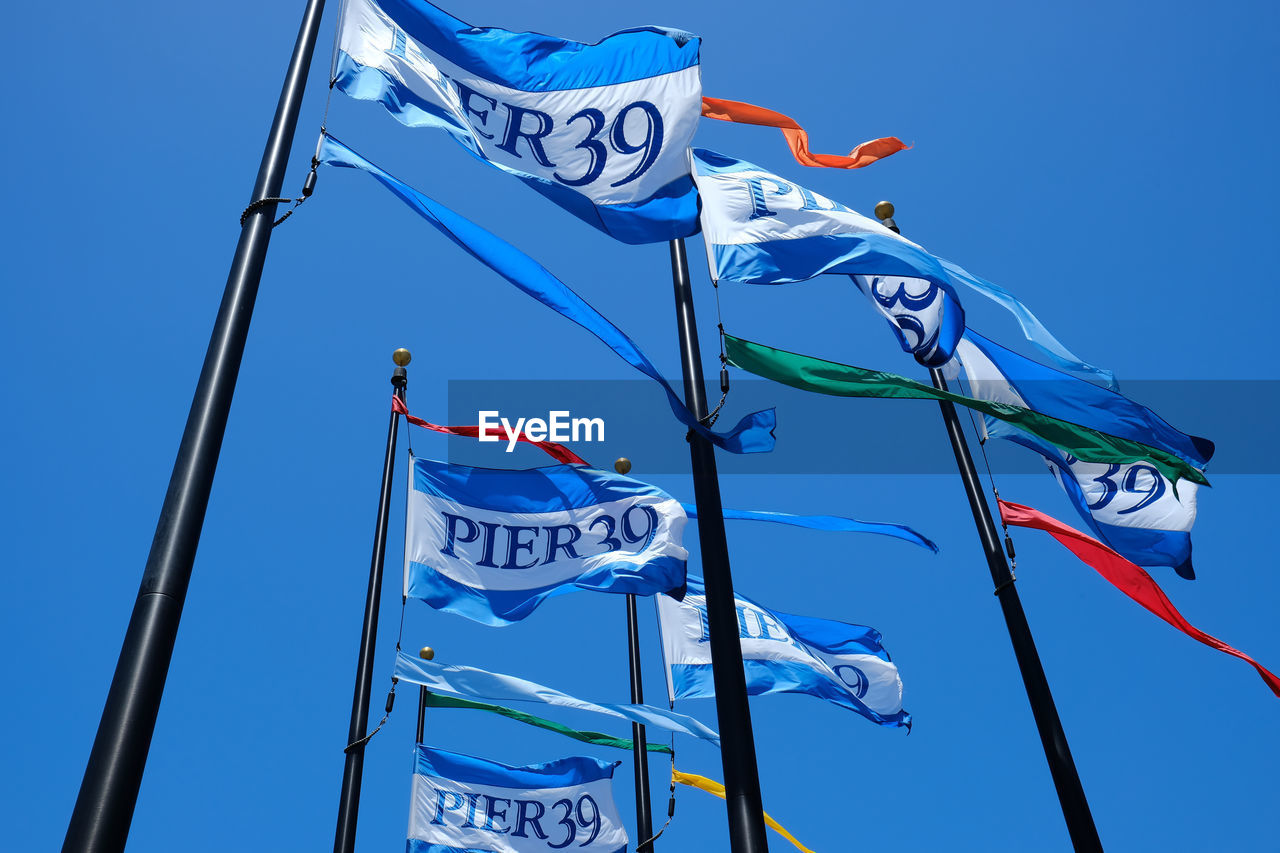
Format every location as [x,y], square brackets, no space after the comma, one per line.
[436,700]
[843,380]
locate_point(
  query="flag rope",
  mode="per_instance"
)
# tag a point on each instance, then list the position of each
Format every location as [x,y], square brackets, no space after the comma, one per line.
[797,137]
[702,783]
[1125,576]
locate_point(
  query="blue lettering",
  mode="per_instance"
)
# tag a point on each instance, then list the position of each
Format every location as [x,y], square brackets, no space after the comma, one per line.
[466,93]
[813,201]
[473,801]
[398,43]
[441,808]
[451,535]
[490,812]
[515,132]
[515,546]
[651,145]
[755,186]
[591,145]
[554,544]
[522,818]
[490,534]
[705,623]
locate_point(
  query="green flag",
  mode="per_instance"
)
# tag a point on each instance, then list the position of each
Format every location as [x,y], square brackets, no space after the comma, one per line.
[843,380]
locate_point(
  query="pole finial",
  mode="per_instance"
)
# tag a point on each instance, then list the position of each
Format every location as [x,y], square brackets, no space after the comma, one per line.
[884,210]
[427,653]
[402,357]
[623,465]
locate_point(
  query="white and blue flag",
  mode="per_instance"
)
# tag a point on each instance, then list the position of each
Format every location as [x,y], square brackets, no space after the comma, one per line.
[601,129]
[762,229]
[491,544]
[1133,508]
[783,653]
[464,804]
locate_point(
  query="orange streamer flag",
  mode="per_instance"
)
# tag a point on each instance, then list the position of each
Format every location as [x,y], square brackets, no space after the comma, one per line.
[797,139]
[714,788]
[1130,579]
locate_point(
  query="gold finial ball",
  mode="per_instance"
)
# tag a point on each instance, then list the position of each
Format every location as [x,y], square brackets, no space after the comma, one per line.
[427,653]
[623,465]
[884,210]
[401,357]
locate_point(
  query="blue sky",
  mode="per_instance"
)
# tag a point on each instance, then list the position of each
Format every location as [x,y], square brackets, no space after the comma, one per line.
[1110,164]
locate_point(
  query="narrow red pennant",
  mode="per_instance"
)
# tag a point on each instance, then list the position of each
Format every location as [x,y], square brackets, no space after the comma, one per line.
[1130,579]
[797,138]
[556,451]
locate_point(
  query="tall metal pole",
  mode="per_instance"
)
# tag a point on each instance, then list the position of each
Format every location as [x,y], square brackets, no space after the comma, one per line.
[738,751]
[1075,807]
[426,653]
[640,749]
[344,840]
[113,775]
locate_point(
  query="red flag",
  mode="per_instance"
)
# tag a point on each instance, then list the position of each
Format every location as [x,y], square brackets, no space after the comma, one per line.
[797,139]
[1130,579]
[557,451]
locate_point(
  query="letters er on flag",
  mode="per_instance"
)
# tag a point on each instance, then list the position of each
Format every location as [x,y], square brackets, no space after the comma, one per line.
[463,803]
[782,653]
[491,544]
[603,130]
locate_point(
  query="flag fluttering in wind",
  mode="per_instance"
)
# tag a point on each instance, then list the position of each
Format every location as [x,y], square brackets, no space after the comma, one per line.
[782,653]
[797,138]
[1132,507]
[600,129]
[843,380]
[834,523]
[464,803]
[762,229]
[492,544]
[481,685]
[1126,577]
[752,434]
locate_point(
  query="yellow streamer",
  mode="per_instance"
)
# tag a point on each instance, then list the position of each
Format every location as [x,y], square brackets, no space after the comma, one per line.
[716,789]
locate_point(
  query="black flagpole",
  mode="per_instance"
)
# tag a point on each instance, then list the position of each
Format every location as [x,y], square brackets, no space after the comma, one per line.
[344,839]
[738,750]
[640,749]
[1075,807]
[113,775]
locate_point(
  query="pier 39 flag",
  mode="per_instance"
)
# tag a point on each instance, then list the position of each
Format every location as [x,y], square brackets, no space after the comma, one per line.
[762,229]
[491,544]
[1131,507]
[602,129]
[463,804]
[782,653]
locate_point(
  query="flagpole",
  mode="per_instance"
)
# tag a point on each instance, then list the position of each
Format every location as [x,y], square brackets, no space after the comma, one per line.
[640,749]
[109,790]
[1066,779]
[738,751]
[426,653]
[344,840]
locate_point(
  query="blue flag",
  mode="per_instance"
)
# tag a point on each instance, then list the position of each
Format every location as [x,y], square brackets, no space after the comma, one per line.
[600,129]
[464,804]
[782,653]
[753,434]
[762,229]
[1133,508]
[492,544]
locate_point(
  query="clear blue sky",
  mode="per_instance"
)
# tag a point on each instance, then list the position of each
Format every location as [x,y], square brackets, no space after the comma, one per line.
[1111,163]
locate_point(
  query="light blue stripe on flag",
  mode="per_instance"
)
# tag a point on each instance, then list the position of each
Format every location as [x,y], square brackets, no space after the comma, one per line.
[832,523]
[471,683]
